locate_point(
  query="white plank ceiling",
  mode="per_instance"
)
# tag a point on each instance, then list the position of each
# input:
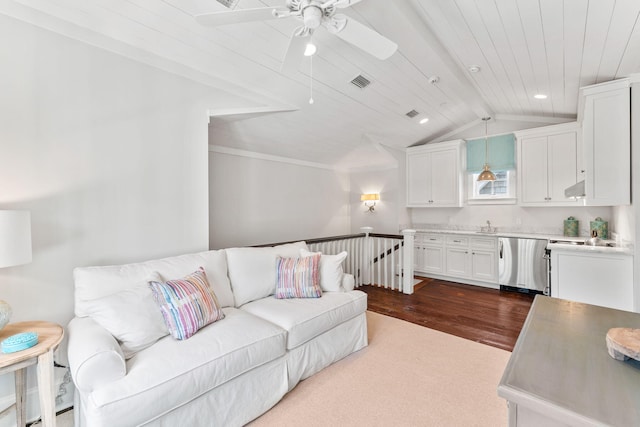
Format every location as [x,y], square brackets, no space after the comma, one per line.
[522,47]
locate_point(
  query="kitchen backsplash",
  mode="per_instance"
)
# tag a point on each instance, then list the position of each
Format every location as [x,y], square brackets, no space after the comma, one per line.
[552,231]
[509,218]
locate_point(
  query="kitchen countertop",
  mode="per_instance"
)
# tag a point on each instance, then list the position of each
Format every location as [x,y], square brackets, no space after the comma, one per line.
[621,249]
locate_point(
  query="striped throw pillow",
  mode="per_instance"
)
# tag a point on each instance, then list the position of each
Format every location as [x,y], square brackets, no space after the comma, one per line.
[187,304]
[298,277]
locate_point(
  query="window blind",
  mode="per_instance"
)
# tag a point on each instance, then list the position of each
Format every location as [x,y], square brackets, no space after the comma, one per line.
[501,156]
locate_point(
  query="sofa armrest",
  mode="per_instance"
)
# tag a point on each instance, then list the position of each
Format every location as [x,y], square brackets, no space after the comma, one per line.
[95,357]
[348,282]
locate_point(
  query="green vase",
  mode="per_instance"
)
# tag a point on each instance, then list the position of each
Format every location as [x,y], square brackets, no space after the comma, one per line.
[600,227]
[571,227]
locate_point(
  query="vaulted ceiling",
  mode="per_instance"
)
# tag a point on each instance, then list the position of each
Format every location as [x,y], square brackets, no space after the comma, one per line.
[521,48]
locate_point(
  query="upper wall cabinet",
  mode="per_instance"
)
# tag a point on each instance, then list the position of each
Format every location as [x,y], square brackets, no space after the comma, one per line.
[547,164]
[606,136]
[434,174]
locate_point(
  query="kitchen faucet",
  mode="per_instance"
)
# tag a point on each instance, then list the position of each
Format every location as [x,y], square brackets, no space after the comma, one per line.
[488,228]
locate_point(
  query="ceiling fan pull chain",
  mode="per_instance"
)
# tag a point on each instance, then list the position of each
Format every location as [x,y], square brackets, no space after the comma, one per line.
[311,80]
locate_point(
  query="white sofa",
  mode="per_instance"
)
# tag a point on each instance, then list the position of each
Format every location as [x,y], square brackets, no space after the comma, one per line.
[229,372]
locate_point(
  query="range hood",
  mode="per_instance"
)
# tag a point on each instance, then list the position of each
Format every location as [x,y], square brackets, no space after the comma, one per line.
[576,190]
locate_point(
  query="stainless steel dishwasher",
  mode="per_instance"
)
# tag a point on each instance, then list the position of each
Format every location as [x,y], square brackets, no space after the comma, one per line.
[523,265]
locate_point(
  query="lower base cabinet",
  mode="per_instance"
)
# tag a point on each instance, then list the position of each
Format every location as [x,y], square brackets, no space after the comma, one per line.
[458,262]
[469,259]
[429,253]
[603,279]
[483,265]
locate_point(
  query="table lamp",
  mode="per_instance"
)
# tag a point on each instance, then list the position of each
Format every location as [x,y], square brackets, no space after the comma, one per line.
[15,247]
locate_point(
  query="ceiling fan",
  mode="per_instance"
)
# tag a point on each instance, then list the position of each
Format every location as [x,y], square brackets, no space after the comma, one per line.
[313,14]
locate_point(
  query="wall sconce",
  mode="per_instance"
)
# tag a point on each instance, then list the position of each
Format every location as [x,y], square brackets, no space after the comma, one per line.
[370,200]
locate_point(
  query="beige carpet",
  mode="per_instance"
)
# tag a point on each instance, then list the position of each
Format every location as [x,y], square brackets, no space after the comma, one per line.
[408,376]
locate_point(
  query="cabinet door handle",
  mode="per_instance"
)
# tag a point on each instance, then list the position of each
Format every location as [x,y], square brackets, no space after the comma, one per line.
[456,241]
[433,239]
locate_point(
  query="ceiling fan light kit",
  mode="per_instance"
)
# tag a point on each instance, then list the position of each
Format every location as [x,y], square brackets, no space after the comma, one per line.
[311,49]
[313,14]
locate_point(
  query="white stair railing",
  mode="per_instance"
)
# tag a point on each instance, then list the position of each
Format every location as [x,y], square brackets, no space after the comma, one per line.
[375,259]
[355,248]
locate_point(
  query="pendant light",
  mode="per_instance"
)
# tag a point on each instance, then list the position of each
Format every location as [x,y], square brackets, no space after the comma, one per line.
[486,174]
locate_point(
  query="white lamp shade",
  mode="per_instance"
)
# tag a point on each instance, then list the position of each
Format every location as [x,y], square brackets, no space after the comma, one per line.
[15,238]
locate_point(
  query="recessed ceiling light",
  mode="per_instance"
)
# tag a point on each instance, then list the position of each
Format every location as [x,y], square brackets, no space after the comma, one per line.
[540,96]
[474,68]
[423,121]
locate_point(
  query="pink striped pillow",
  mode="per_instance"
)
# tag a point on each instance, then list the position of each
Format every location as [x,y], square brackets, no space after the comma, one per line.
[187,304]
[298,277]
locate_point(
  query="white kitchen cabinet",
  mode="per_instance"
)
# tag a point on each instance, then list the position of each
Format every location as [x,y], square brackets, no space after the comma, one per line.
[429,253]
[604,279]
[483,265]
[484,259]
[606,134]
[434,174]
[458,257]
[547,165]
[458,262]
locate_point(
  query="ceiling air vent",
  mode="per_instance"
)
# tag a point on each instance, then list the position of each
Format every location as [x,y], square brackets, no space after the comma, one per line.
[228,3]
[411,114]
[361,81]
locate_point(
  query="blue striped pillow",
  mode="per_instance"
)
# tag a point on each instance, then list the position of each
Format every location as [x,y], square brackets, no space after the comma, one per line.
[187,304]
[298,277]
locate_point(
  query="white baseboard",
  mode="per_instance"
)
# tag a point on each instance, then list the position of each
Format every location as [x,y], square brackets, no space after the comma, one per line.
[64,398]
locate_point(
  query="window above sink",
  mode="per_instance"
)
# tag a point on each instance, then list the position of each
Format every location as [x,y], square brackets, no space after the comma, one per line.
[500,191]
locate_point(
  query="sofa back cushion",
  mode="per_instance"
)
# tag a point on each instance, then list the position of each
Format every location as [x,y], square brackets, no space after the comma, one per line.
[252,271]
[131,316]
[97,282]
[331,271]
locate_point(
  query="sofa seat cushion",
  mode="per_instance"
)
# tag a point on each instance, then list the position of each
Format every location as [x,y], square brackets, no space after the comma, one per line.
[305,319]
[171,373]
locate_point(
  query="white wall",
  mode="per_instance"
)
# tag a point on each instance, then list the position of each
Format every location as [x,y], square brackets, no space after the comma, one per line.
[632,213]
[257,201]
[110,157]
[390,212]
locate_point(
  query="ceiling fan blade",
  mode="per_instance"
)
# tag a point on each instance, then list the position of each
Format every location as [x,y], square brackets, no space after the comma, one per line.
[295,51]
[215,19]
[364,37]
[340,3]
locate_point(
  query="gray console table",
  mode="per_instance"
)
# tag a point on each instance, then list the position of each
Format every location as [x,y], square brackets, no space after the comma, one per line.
[560,373]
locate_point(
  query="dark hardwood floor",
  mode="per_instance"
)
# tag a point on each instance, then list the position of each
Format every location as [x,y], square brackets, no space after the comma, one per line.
[487,316]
